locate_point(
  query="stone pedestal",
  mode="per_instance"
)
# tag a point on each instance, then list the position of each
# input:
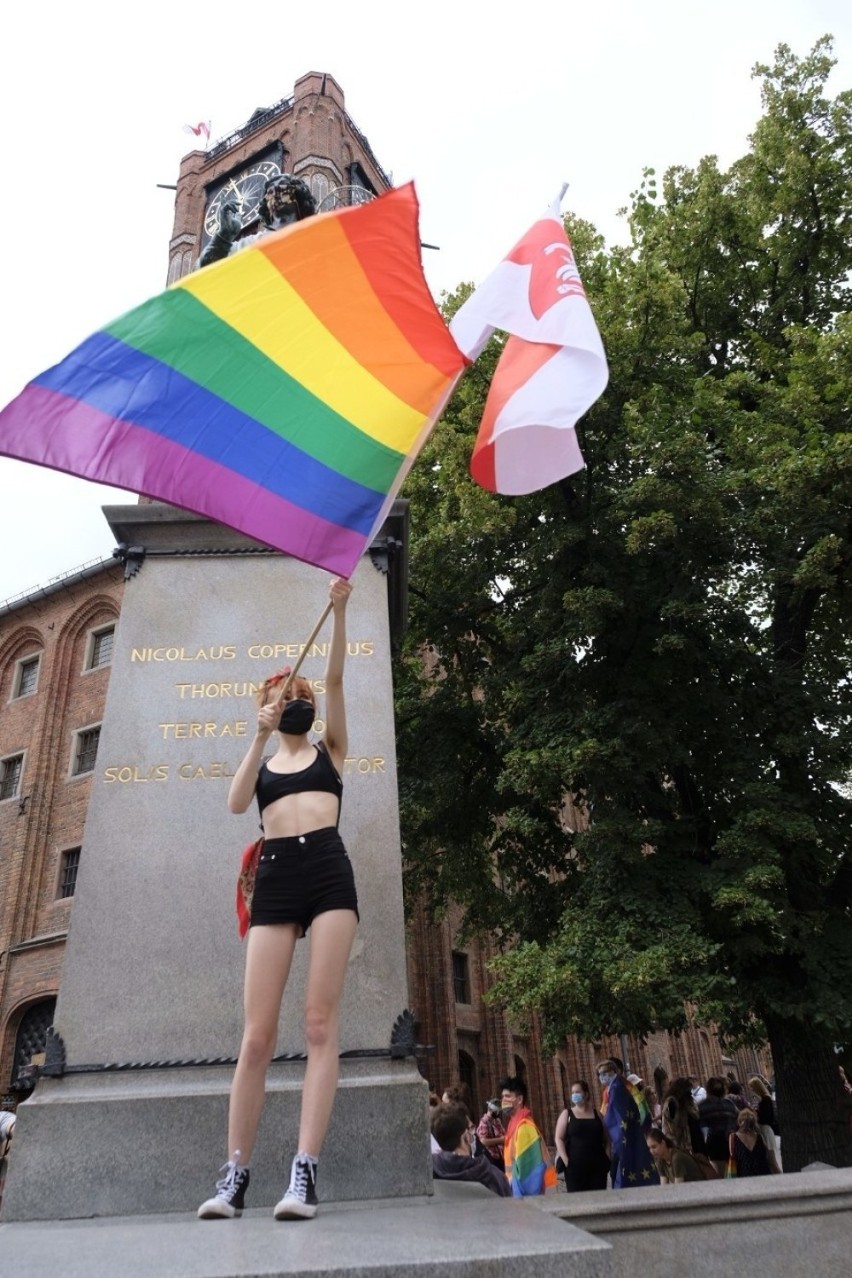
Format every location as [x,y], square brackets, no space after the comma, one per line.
[153,967]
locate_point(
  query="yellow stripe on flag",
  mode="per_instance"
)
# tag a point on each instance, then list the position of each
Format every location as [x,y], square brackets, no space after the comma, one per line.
[270,314]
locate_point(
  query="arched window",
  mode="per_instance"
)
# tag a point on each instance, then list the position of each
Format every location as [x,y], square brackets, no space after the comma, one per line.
[467,1075]
[31,1041]
[319,186]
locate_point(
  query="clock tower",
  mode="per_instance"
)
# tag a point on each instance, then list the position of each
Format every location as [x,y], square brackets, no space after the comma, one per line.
[309,135]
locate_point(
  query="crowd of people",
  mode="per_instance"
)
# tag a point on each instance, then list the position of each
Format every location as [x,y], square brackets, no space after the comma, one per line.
[671,1132]
[505,1150]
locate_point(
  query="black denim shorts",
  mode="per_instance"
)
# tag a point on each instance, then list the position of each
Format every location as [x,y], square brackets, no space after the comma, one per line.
[301,877]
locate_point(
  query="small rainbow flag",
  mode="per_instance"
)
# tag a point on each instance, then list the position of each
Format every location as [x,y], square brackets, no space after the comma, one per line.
[284,392]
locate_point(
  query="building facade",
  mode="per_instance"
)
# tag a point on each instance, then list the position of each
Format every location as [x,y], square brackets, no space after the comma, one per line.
[55,660]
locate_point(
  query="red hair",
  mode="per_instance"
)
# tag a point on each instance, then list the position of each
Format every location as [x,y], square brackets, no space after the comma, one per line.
[298,688]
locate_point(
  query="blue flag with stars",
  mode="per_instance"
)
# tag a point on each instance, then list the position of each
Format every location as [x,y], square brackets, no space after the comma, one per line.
[624,1124]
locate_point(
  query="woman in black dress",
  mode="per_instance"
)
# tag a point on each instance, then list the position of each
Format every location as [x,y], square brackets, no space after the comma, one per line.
[582,1145]
[767,1117]
[748,1151]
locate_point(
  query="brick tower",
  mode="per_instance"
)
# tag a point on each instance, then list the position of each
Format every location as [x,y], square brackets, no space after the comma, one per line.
[309,135]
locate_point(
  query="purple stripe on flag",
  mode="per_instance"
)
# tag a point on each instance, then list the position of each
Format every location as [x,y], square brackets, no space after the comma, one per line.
[52,430]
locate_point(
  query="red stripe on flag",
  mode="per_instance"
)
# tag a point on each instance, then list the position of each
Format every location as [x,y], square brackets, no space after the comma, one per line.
[518,363]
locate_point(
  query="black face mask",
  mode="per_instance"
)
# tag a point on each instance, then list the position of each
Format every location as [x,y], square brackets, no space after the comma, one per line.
[297,717]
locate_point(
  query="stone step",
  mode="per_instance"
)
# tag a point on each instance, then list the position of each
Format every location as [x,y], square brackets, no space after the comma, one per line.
[467,1234]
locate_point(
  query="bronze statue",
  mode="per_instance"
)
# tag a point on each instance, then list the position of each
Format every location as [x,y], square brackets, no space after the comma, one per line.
[286,199]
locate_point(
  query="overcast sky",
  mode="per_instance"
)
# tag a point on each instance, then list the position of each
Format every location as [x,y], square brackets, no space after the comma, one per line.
[488,108]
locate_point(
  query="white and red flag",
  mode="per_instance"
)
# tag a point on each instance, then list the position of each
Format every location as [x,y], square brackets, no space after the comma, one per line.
[202,129]
[552,369]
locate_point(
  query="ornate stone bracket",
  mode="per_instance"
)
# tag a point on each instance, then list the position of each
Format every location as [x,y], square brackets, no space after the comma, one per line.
[382,552]
[54,1055]
[131,557]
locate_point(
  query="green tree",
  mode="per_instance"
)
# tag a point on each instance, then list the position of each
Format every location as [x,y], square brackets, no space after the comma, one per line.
[665,636]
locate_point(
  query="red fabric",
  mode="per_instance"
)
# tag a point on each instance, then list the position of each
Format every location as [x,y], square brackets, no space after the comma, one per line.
[276,678]
[245,884]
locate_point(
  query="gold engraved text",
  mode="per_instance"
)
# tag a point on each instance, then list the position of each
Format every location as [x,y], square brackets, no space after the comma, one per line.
[133,772]
[204,771]
[191,691]
[188,731]
[218,652]
[292,651]
[364,764]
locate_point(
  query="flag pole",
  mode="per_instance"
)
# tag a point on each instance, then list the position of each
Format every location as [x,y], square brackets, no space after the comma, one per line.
[311,637]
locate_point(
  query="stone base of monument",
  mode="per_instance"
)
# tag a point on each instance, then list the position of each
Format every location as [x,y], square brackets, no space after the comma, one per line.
[463,1231]
[798,1225]
[152,1141]
[130,1113]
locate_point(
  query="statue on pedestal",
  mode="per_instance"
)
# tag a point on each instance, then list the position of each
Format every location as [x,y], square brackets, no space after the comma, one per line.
[286,199]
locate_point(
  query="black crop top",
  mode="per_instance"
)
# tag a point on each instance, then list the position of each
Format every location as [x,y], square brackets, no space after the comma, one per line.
[320,775]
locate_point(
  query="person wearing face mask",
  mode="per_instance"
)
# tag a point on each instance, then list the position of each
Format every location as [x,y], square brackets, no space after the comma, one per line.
[303,880]
[491,1133]
[582,1144]
[529,1168]
[632,1166]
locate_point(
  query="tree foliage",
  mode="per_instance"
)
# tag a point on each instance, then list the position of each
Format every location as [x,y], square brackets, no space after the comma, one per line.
[665,637]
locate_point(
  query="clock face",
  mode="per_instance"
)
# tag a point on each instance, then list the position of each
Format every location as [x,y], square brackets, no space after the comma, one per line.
[243,189]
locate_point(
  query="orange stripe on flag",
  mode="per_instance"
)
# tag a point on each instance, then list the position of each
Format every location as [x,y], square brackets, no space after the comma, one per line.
[433,343]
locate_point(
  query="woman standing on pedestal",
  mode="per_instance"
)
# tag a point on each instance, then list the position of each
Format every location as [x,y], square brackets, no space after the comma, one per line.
[304,880]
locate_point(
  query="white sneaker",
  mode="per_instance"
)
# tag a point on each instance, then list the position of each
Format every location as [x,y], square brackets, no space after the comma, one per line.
[300,1200]
[229,1199]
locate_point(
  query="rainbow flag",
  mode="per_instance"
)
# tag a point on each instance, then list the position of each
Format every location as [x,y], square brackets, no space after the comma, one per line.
[284,392]
[641,1100]
[528,1165]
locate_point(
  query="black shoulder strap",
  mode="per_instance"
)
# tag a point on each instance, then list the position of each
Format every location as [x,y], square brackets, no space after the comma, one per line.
[322,751]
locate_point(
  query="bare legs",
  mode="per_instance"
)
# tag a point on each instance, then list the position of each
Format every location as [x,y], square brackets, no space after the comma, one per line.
[332,935]
[268,962]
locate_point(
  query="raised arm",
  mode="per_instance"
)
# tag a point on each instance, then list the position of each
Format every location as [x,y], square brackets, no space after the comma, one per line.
[244,783]
[336,738]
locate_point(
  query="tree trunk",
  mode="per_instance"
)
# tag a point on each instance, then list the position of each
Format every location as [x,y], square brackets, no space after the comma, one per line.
[814,1111]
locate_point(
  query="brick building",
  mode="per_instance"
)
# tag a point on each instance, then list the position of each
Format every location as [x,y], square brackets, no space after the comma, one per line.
[55,655]
[309,135]
[475,1044]
[55,650]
